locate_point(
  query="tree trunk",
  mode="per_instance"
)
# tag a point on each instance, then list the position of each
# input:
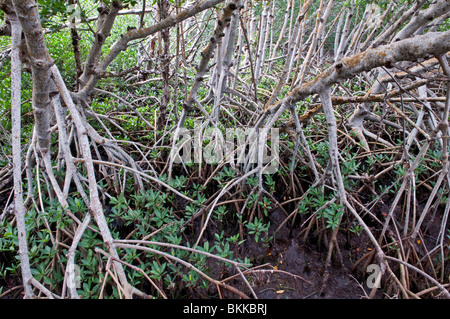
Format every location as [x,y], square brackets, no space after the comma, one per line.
[20,211]
[163,6]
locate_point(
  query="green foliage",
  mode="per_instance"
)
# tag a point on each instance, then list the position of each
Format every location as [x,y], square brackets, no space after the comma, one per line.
[164,217]
[49,9]
[270,183]
[145,211]
[332,214]
[322,151]
[265,205]
[355,229]
[320,203]
[258,227]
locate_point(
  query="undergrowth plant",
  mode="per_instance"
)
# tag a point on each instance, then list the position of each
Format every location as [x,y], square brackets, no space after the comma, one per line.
[357,90]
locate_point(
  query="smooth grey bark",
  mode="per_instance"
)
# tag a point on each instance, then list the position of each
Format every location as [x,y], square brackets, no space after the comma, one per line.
[261,51]
[435,10]
[104,25]
[42,69]
[121,44]
[419,19]
[378,27]
[224,58]
[202,70]
[343,39]
[292,47]
[95,207]
[394,27]
[19,208]
[28,13]
[163,6]
[283,30]
[410,49]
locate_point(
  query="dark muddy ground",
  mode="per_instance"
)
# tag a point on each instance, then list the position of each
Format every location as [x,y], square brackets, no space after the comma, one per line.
[292,256]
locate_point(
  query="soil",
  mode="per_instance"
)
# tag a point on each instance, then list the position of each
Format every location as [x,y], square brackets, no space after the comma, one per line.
[288,253]
[300,272]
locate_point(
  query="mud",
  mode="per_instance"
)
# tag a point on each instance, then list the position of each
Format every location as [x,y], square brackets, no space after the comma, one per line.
[299,271]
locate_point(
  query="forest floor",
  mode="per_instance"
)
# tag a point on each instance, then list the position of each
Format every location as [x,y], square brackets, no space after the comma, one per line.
[290,254]
[298,265]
